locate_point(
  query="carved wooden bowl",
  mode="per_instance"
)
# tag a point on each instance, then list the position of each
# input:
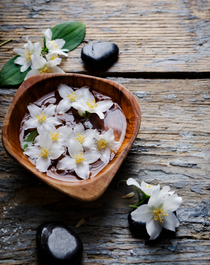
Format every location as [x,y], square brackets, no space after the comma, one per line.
[37,86]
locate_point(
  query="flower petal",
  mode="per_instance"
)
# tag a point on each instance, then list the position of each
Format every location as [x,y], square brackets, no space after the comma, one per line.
[132,181]
[32,151]
[54,62]
[91,156]
[60,43]
[172,203]
[142,214]
[87,95]
[104,105]
[156,199]
[105,155]
[63,106]
[48,35]
[153,228]
[64,132]
[42,163]
[74,147]
[67,163]
[20,60]
[170,222]
[56,69]
[45,127]
[79,128]
[37,48]
[53,120]
[37,61]
[19,51]
[56,151]
[64,90]
[31,73]
[31,123]
[34,110]
[25,66]
[82,170]
[45,140]
[99,113]
[49,110]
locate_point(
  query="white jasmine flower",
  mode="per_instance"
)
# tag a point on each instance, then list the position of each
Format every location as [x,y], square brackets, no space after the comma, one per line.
[88,103]
[55,46]
[79,160]
[105,143]
[82,136]
[44,152]
[148,188]
[69,96]
[158,213]
[58,136]
[25,54]
[42,119]
[41,66]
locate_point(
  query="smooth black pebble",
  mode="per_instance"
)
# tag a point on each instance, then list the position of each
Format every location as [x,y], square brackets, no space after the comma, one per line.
[58,245]
[100,54]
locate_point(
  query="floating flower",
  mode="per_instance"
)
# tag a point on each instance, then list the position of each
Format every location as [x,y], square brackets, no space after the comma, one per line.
[25,54]
[69,96]
[58,136]
[41,66]
[158,213]
[44,152]
[42,119]
[55,46]
[88,104]
[79,160]
[105,143]
[82,136]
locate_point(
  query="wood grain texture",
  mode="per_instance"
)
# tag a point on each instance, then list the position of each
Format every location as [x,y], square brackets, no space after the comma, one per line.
[153,36]
[37,87]
[172,148]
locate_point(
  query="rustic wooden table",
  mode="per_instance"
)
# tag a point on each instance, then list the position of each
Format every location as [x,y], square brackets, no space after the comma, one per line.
[164,61]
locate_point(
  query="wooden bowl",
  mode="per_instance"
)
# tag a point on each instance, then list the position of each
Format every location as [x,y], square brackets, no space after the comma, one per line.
[37,86]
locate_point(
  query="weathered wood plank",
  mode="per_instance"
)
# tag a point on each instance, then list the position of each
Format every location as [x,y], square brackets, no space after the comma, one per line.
[153,36]
[172,148]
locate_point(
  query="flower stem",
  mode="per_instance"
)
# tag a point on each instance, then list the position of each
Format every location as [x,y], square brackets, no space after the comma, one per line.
[5,42]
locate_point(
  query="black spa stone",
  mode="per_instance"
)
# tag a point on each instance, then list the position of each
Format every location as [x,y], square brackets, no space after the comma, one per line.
[58,245]
[100,54]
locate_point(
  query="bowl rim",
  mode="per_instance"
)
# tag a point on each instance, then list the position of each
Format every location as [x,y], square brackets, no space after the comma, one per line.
[84,184]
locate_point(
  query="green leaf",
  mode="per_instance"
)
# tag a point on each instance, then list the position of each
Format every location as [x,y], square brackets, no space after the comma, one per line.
[10,74]
[29,139]
[71,31]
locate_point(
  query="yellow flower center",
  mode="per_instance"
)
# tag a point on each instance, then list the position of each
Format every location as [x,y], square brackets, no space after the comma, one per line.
[72,96]
[101,144]
[54,135]
[44,152]
[44,70]
[41,117]
[54,44]
[79,158]
[91,105]
[27,55]
[147,186]
[53,57]
[159,214]
[80,137]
